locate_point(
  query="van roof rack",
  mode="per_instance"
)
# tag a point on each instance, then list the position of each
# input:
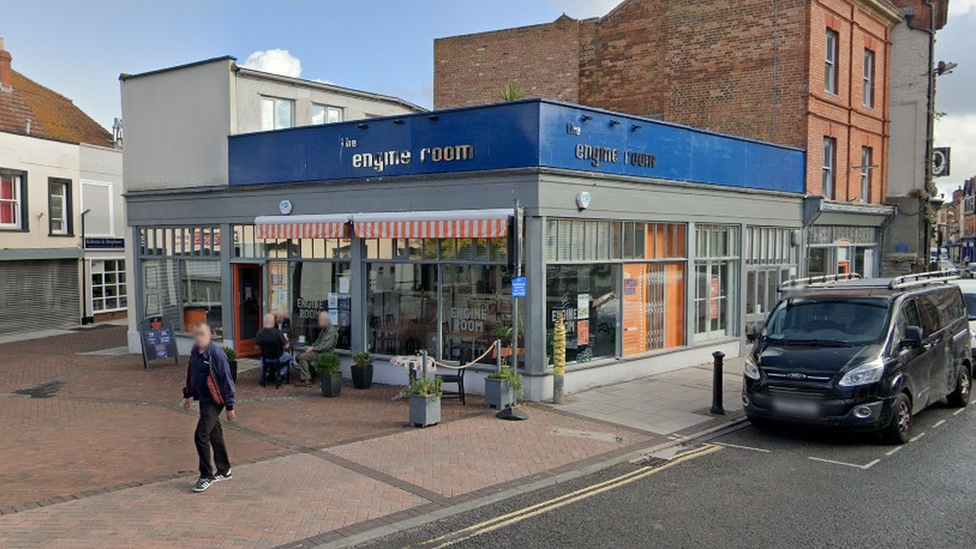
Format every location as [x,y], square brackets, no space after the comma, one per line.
[797,283]
[921,279]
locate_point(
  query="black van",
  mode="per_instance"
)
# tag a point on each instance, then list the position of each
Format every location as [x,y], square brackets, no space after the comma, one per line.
[860,354]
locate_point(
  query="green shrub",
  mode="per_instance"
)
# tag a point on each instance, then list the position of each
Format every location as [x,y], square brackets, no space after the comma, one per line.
[231,354]
[362,359]
[328,364]
[423,387]
[511,376]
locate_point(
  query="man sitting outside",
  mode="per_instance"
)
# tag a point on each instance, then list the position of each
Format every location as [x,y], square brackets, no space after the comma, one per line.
[274,347]
[325,343]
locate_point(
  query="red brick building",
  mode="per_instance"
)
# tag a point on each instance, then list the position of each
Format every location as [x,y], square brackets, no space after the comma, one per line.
[811,74]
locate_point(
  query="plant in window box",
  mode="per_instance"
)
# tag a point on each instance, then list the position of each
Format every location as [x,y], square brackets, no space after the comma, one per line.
[425,401]
[232,360]
[502,386]
[362,370]
[330,375]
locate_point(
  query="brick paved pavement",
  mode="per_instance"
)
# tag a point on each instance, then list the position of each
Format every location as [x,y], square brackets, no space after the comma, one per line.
[97,453]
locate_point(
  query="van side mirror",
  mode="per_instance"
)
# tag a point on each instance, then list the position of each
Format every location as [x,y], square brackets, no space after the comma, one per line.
[753,329]
[912,338]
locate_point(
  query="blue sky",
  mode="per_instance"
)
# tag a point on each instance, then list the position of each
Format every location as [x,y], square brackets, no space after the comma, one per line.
[78,48]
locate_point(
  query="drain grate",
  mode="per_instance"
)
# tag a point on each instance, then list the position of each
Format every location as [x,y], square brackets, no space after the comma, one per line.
[47,389]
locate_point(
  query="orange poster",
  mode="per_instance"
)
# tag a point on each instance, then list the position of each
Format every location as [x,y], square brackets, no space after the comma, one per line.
[634,317]
[716,294]
[583,332]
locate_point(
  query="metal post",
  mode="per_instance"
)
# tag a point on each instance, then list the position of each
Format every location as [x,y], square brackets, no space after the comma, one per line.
[512,413]
[717,408]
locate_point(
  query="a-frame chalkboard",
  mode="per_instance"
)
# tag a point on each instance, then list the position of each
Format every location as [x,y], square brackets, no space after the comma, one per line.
[158,341]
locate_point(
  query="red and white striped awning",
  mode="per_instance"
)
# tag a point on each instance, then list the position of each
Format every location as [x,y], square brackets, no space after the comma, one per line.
[444,224]
[302,226]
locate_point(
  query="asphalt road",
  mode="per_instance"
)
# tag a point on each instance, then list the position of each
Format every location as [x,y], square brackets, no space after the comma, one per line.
[751,488]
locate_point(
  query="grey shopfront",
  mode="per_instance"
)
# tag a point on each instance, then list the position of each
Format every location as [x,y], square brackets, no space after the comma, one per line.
[650,273]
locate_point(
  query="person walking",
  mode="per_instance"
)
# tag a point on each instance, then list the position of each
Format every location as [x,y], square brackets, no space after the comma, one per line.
[209,381]
[324,343]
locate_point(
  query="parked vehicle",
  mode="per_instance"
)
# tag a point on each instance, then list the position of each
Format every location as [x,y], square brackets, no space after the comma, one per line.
[969,271]
[860,354]
[968,288]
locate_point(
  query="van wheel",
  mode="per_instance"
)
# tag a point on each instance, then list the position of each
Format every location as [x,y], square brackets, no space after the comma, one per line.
[900,428]
[960,397]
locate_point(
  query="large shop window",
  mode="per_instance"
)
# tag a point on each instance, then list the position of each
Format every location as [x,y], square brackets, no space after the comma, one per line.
[716,281]
[587,297]
[653,307]
[201,295]
[402,308]
[306,288]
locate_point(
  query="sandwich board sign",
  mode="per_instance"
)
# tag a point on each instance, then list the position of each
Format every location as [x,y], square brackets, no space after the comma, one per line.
[158,341]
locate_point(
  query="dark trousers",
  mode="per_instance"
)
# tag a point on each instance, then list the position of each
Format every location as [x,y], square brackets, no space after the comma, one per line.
[210,434]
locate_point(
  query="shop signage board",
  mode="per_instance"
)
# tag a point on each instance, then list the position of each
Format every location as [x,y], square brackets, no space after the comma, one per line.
[520,287]
[519,134]
[102,243]
[158,341]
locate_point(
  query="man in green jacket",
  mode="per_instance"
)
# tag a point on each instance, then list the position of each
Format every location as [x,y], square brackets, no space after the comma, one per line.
[325,343]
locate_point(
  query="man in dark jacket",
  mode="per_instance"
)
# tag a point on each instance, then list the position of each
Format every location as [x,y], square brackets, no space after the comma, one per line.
[208,380]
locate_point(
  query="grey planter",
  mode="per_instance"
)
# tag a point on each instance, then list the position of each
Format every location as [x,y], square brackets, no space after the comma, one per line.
[425,411]
[331,385]
[498,393]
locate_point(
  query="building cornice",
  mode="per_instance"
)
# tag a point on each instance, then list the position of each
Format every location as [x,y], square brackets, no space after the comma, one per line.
[884,9]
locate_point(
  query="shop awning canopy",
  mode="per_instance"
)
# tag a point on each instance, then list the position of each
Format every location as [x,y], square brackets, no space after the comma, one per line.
[302,226]
[441,224]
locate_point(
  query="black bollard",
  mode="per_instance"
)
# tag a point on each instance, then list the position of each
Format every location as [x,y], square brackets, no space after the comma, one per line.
[717,408]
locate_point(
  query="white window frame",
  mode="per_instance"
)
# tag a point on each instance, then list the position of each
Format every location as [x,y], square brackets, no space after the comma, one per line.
[274,112]
[122,288]
[829,175]
[831,50]
[111,203]
[870,62]
[17,201]
[65,205]
[867,155]
[328,111]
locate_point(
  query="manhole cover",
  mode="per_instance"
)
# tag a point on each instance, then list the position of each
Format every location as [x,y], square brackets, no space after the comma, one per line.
[47,389]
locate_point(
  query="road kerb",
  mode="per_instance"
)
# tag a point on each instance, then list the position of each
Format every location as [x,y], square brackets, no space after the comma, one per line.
[453,510]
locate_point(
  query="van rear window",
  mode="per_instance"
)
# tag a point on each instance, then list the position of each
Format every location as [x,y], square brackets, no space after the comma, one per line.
[829,321]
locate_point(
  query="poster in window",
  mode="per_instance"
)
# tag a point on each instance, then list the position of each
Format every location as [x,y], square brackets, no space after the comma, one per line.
[583,306]
[583,332]
[716,294]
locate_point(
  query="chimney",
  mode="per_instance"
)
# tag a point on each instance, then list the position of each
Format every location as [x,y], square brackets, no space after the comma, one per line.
[6,73]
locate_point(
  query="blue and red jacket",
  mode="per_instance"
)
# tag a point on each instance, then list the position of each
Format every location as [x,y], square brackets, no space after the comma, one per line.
[202,364]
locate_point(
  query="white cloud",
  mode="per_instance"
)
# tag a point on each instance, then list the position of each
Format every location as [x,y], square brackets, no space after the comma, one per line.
[586,8]
[276,61]
[959,7]
[958,132]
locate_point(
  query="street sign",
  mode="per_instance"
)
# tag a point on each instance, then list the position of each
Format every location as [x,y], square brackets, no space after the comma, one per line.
[520,286]
[92,243]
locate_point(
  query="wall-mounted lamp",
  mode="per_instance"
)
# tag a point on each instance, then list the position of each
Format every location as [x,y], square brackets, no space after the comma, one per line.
[586,118]
[614,123]
[362,125]
[399,122]
[433,118]
[636,128]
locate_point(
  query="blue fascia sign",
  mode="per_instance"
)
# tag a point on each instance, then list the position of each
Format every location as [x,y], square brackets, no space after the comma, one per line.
[520,134]
[103,243]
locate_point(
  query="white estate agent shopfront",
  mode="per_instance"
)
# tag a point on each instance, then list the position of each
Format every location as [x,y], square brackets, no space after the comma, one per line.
[644,234]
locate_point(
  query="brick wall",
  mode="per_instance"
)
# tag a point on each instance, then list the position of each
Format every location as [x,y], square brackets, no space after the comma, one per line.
[543,60]
[739,67]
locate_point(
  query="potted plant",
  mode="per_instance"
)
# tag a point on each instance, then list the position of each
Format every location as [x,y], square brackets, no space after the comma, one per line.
[330,375]
[425,401]
[232,360]
[362,370]
[502,386]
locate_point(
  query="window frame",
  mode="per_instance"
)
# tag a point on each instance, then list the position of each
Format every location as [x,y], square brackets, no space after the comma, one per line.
[67,218]
[20,210]
[328,109]
[831,58]
[829,169]
[120,285]
[870,67]
[867,159]
[274,122]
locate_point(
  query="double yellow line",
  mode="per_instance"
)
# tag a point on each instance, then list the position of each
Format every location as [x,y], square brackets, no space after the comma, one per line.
[515,517]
